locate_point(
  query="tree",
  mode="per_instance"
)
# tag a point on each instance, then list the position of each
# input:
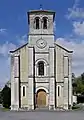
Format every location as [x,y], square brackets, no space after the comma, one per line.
[0,98]
[6,97]
[74,85]
[73,77]
[82,77]
[78,84]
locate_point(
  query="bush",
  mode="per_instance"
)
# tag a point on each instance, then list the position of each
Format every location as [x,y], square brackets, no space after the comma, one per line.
[80,99]
[6,97]
[75,107]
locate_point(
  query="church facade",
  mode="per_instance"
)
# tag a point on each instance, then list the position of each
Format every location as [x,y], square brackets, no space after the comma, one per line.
[41,69]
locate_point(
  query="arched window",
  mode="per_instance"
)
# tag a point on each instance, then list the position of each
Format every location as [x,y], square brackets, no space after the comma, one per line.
[44,23]
[37,22]
[41,68]
[23,91]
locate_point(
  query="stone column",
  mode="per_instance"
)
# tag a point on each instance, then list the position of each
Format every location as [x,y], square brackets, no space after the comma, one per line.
[66,89]
[15,82]
[52,79]
[30,77]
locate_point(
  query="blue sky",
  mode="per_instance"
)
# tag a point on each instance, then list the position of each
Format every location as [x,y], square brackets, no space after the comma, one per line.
[69,29]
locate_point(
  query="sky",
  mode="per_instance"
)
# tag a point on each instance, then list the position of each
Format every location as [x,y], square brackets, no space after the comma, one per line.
[68,27]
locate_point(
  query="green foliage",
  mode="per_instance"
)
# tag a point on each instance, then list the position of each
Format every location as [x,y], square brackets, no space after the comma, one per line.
[6,96]
[78,85]
[0,98]
[75,107]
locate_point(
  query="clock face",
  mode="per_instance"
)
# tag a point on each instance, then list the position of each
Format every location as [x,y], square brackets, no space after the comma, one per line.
[41,43]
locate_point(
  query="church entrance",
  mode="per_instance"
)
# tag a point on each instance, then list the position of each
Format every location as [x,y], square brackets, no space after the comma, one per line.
[41,98]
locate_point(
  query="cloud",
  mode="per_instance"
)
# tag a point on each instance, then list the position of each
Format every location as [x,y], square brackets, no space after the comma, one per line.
[6,47]
[4,70]
[5,58]
[78,54]
[76,3]
[5,62]
[75,11]
[21,39]
[78,28]
[2,30]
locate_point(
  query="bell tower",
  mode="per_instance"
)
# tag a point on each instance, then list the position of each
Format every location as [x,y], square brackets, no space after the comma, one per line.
[41,26]
[41,53]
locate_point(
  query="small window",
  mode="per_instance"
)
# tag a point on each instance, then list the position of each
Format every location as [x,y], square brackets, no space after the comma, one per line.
[44,23]
[37,22]
[23,91]
[41,68]
[58,90]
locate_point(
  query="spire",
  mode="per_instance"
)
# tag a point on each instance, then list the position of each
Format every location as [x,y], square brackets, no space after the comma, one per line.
[41,7]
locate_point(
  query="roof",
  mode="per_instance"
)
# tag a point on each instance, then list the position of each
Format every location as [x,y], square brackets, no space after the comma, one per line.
[46,11]
[18,48]
[40,11]
[54,43]
[70,51]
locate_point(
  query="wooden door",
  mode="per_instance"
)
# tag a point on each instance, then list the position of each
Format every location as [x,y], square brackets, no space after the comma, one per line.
[41,98]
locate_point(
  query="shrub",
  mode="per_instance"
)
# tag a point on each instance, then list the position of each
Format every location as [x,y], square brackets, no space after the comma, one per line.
[6,97]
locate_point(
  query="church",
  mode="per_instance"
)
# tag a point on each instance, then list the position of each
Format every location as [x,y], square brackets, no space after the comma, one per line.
[41,69]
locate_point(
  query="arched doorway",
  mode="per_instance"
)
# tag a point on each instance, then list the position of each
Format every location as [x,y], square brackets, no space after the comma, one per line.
[41,98]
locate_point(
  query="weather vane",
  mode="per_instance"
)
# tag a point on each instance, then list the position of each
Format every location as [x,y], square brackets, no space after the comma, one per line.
[40,6]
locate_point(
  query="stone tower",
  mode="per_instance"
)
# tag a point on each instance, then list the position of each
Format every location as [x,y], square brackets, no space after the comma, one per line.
[41,26]
[41,39]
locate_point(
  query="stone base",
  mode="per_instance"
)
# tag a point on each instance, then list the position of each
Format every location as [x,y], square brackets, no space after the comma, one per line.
[23,109]
[51,107]
[14,107]
[31,107]
[65,106]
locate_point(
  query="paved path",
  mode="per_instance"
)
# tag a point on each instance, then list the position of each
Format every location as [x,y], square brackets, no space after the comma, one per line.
[40,115]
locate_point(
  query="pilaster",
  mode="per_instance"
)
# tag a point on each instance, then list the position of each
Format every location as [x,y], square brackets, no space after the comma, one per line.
[66,85]
[52,79]
[12,82]
[70,80]
[30,77]
[15,82]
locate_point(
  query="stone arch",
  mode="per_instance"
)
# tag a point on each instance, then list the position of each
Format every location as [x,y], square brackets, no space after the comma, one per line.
[40,68]
[45,22]
[41,97]
[37,22]
[41,59]
[45,66]
[43,88]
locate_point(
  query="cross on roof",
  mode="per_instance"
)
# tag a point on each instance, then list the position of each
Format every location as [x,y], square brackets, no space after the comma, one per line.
[41,7]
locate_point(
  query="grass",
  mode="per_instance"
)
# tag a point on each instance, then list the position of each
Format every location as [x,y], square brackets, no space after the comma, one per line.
[5,109]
